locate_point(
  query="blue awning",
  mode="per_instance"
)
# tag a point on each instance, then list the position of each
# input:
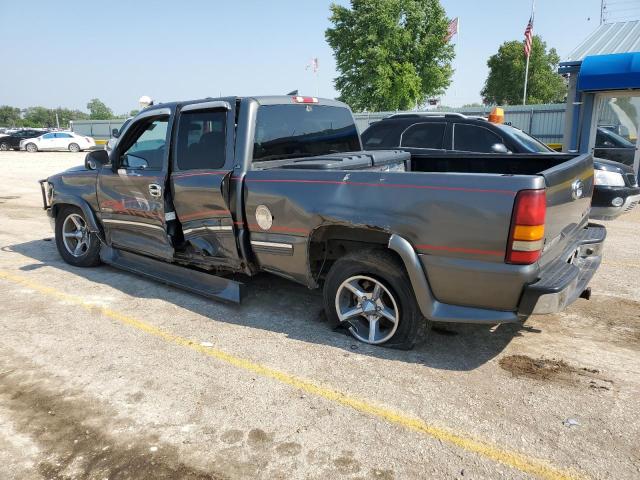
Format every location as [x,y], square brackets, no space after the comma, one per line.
[618,71]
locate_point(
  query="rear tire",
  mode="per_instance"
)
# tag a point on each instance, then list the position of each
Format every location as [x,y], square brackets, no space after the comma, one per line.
[76,245]
[370,291]
[74,147]
[31,147]
[5,147]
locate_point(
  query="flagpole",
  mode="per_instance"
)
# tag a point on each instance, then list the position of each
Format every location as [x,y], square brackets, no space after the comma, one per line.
[526,70]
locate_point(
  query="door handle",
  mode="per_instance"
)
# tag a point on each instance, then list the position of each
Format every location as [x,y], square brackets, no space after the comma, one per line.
[155,190]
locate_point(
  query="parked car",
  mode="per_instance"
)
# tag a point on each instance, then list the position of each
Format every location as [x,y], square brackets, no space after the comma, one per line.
[453,134]
[195,190]
[12,141]
[69,141]
[115,134]
[612,146]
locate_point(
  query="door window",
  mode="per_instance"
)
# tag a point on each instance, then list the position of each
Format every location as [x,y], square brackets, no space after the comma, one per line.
[63,135]
[49,136]
[145,148]
[471,138]
[424,135]
[201,140]
[617,121]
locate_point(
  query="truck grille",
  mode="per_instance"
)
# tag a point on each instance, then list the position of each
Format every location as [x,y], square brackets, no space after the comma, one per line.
[632,179]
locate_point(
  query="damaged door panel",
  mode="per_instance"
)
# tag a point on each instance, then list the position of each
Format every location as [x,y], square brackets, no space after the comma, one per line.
[202,166]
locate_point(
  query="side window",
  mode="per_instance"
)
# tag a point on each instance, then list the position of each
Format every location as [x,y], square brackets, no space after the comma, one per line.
[63,135]
[145,148]
[48,136]
[424,135]
[201,140]
[382,135]
[471,138]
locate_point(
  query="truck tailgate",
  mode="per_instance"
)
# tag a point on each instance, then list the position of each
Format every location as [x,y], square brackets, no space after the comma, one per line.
[569,190]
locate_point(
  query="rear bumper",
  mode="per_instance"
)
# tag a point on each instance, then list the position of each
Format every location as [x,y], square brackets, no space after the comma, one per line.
[564,280]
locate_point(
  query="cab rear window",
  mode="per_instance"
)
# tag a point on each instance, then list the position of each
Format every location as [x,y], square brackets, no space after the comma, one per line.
[292,131]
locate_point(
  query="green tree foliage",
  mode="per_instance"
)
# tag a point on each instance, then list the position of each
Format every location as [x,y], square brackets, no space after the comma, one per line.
[390,54]
[134,112]
[46,117]
[98,110]
[505,83]
[10,116]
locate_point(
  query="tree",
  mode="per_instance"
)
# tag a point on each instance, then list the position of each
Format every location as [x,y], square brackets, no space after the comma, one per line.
[9,116]
[39,117]
[134,112]
[505,83]
[390,54]
[98,110]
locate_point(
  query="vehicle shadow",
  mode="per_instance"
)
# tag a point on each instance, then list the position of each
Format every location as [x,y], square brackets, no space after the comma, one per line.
[281,306]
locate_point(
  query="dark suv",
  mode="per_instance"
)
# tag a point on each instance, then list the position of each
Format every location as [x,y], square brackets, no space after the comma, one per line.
[616,191]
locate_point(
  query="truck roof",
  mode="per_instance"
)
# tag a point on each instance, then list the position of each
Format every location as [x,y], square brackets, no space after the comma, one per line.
[261,99]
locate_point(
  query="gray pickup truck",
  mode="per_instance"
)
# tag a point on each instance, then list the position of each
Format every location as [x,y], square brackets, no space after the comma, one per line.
[196,190]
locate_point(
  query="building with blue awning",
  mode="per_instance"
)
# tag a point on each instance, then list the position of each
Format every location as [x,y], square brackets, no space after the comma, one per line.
[603,102]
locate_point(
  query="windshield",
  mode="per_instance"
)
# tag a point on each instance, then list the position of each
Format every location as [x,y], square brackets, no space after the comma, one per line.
[289,131]
[616,140]
[533,145]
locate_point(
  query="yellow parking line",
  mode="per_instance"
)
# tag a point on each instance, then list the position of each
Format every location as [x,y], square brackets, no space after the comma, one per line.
[515,460]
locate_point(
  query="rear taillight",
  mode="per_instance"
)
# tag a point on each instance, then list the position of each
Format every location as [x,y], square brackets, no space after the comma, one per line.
[526,237]
[301,99]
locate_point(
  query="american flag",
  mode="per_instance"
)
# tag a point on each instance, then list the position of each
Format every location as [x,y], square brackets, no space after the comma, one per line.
[528,38]
[452,29]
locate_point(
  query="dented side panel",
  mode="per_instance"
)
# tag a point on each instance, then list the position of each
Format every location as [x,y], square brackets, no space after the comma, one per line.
[445,214]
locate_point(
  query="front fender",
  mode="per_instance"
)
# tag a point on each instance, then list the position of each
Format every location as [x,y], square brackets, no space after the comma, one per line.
[61,199]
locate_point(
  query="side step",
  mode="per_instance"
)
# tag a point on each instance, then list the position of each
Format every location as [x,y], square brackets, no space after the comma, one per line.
[205,284]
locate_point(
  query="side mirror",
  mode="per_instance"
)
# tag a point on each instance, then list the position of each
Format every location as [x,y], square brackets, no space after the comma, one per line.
[115,133]
[499,148]
[96,159]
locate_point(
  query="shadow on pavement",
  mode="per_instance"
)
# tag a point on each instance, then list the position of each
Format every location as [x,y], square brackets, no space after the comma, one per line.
[281,306]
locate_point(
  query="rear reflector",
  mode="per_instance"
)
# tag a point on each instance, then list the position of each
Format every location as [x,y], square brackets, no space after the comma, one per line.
[300,99]
[526,238]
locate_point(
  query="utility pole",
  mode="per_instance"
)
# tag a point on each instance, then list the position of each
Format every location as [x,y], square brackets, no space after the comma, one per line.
[602,9]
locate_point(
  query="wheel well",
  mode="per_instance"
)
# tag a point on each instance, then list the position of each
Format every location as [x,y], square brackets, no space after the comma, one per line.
[328,244]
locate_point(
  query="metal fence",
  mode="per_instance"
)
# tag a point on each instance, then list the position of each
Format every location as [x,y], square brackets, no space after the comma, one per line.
[545,122]
[100,130]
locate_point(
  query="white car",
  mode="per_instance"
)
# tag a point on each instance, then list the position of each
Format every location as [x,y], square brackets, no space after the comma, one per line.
[57,141]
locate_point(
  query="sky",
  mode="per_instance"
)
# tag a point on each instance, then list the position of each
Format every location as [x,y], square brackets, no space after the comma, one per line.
[65,53]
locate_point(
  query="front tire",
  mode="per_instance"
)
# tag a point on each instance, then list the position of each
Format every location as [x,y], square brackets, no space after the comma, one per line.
[76,245]
[74,147]
[31,147]
[5,147]
[370,294]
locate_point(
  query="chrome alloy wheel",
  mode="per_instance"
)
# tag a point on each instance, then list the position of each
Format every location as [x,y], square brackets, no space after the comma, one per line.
[75,235]
[369,307]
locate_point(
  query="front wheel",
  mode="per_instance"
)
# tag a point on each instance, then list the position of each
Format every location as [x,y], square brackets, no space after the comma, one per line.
[370,294]
[74,147]
[31,147]
[5,147]
[76,244]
